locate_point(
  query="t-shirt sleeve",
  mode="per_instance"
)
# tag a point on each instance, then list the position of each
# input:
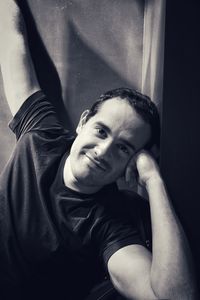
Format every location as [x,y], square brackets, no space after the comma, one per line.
[36,113]
[114,234]
[117,223]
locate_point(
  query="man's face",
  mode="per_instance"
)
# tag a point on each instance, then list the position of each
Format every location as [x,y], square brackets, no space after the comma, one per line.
[106,142]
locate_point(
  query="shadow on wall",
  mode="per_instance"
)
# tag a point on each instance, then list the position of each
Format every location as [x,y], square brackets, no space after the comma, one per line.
[89,75]
[45,67]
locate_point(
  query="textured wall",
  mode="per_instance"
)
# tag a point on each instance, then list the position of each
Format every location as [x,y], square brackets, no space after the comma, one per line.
[80,49]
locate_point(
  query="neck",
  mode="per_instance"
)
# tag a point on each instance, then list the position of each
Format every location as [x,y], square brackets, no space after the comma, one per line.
[71,182]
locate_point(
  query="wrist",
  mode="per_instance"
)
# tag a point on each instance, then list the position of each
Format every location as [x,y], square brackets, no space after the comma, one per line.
[12,19]
[153,181]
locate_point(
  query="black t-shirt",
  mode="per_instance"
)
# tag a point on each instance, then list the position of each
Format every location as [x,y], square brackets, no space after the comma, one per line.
[53,240]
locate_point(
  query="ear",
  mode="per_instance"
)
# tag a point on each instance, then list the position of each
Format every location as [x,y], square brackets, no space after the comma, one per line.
[82,121]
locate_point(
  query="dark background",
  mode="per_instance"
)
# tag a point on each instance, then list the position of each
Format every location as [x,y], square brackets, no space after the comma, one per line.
[180,153]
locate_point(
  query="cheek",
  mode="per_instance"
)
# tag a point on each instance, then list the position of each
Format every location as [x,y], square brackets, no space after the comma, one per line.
[119,167]
[85,138]
[120,159]
[79,142]
[120,163]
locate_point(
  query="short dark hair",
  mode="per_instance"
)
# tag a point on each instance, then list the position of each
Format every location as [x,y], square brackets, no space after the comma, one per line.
[142,105]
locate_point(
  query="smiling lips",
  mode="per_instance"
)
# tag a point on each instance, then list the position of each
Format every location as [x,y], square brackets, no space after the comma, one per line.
[96,162]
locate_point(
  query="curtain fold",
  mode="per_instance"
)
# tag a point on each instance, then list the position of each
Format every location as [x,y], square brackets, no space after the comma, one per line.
[153,50]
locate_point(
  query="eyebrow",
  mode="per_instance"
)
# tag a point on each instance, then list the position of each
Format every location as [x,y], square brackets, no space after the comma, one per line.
[130,145]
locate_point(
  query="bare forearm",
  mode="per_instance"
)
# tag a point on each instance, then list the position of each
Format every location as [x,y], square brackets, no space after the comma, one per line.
[17,69]
[171,272]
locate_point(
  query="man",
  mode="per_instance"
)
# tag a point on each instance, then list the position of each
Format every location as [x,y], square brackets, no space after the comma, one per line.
[56,226]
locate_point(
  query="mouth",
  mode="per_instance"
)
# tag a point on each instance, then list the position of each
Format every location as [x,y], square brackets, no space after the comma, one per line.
[95,162]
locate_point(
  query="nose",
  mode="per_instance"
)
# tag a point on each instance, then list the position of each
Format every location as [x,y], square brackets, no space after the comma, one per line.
[103,149]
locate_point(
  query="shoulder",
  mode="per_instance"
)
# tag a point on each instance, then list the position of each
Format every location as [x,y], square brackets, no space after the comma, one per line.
[37,114]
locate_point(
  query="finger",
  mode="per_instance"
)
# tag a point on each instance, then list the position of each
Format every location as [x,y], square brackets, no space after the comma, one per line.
[130,174]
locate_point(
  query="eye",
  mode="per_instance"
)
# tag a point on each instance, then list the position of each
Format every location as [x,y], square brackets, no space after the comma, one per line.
[101,132]
[123,148]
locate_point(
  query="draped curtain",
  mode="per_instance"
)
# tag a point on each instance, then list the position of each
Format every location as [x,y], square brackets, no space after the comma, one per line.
[153,50]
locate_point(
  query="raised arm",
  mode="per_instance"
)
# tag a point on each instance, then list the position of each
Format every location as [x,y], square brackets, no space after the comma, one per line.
[168,272]
[19,77]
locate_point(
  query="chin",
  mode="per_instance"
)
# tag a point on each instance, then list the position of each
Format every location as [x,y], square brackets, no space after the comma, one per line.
[88,179]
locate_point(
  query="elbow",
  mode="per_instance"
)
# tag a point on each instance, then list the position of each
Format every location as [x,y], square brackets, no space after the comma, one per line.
[174,289]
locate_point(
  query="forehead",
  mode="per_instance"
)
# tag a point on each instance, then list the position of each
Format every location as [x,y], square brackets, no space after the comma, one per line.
[120,113]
